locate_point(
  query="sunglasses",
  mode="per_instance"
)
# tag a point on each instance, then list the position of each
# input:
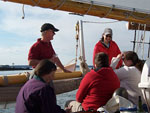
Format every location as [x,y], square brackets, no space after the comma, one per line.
[109,36]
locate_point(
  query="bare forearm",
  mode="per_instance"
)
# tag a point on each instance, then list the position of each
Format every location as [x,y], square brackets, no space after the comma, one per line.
[59,64]
[33,62]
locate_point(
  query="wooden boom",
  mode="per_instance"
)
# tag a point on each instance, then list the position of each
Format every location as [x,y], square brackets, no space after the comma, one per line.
[89,9]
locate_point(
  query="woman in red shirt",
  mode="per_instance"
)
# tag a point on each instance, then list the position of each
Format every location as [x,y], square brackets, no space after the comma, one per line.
[107,46]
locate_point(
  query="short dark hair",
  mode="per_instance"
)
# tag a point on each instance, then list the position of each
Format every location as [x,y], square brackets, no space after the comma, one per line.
[101,60]
[44,67]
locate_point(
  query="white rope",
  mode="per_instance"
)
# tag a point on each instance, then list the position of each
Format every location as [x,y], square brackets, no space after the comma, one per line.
[101,22]
[138,44]
[77,39]
[141,40]
[144,40]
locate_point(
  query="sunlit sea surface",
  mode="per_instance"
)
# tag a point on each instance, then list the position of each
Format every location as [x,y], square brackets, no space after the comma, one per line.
[61,98]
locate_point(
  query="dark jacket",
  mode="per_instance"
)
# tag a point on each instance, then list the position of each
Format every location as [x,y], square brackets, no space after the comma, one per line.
[37,97]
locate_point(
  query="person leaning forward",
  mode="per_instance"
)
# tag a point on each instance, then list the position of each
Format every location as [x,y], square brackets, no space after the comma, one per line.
[43,48]
[36,95]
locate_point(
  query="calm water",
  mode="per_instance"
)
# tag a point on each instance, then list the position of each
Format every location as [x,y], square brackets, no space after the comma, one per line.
[61,98]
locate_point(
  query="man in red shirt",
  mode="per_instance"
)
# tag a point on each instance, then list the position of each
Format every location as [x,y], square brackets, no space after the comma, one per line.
[43,49]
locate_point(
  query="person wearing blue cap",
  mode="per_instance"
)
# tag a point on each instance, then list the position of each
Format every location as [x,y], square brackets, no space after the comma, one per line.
[43,48]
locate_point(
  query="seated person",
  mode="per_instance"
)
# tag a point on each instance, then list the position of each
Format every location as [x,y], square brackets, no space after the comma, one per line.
[130,74]
[97,86]
[36,96]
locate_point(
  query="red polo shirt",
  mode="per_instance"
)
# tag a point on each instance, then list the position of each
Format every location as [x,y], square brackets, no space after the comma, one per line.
[41,50]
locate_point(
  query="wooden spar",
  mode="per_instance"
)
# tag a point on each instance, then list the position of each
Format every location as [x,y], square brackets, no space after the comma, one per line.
[137,26]
[89,9]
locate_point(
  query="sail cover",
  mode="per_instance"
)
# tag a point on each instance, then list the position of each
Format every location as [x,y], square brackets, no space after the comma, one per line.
[131,5]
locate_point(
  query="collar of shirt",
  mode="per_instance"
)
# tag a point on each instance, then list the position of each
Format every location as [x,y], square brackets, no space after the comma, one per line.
[46,43]
[106,45]
[39,78]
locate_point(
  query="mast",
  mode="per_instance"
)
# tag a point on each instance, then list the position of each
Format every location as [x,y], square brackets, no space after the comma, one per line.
[82,41]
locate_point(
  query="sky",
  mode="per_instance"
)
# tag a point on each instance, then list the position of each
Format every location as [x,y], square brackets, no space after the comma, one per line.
[17,35]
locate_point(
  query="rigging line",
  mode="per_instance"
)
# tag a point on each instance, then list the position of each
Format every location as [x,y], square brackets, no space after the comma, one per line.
[138,37]
[36,4]
[58,5]
[77,39]
[23,12]
[127,14]
[61,4]
[144,40]
[113,6]
[137,17]
[89,8]
[101,22]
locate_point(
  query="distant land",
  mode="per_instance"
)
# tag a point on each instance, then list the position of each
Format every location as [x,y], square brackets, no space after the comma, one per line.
[15,67]
[22,67]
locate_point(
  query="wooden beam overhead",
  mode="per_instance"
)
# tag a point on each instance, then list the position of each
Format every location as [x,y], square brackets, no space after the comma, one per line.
[137,26]
[89,9]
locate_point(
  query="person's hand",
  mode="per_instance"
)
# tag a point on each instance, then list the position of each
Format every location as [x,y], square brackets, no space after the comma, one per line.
[119,56]
[68,109]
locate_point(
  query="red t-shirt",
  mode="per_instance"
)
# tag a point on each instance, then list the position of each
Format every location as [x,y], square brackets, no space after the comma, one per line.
[96,88]
[112,51]
[41,50]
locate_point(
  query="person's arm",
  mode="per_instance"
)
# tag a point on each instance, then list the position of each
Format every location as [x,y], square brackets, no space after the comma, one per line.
[96,50]
[115,61]
[33,62]
[57,61]
[120,61]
